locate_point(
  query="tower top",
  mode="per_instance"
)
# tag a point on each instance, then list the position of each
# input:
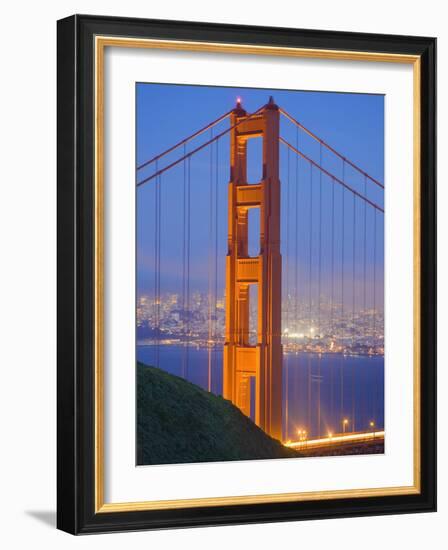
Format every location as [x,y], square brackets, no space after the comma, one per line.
[271,105]
[238,109]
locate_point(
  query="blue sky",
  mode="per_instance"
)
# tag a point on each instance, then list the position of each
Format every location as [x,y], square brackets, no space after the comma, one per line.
[351,123]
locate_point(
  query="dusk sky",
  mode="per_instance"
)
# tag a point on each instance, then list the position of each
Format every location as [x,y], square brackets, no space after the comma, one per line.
[351,123]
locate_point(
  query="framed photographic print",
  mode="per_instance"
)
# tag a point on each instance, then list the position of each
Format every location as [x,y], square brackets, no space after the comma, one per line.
[246,274]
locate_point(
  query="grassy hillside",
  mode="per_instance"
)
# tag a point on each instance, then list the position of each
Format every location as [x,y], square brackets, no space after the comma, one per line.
[179,422]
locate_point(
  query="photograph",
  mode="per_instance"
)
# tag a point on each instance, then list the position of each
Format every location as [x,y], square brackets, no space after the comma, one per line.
[259,273]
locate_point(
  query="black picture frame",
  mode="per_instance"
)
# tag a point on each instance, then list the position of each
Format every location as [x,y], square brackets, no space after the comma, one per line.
[76,261]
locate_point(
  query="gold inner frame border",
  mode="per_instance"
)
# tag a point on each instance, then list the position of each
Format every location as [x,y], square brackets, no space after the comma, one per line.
[100,43]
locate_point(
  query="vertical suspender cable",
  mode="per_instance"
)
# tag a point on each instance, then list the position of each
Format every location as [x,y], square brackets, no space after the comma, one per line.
[353,311]
[296,265]
[375,396]
[364,305]
[332,301]
[156,227]
[310,294]
[374,283]
[319,286]
[332,256]
[319,260]
[342,291]
[184,268]
[288,319]
[364,287]
[353,269]
[188,251]
[156,269]
[159,249]
[288,193]
[210,268]
[215,333]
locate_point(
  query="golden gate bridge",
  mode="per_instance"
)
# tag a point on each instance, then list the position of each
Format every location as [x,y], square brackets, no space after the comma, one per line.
[255,348]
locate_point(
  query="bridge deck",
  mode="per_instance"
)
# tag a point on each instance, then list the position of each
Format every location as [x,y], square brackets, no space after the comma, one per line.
[338,440]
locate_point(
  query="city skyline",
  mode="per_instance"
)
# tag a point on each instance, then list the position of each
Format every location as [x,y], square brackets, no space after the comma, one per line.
[361,331]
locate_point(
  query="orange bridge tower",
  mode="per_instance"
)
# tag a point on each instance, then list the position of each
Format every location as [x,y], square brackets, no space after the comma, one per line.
[260,365]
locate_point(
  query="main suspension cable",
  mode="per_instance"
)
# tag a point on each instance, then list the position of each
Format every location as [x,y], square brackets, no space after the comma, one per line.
[185,140]
[199,148]
[325,144]
[332,176]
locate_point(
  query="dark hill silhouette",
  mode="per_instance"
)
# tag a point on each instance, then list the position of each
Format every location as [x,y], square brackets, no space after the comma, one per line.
[179,422]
